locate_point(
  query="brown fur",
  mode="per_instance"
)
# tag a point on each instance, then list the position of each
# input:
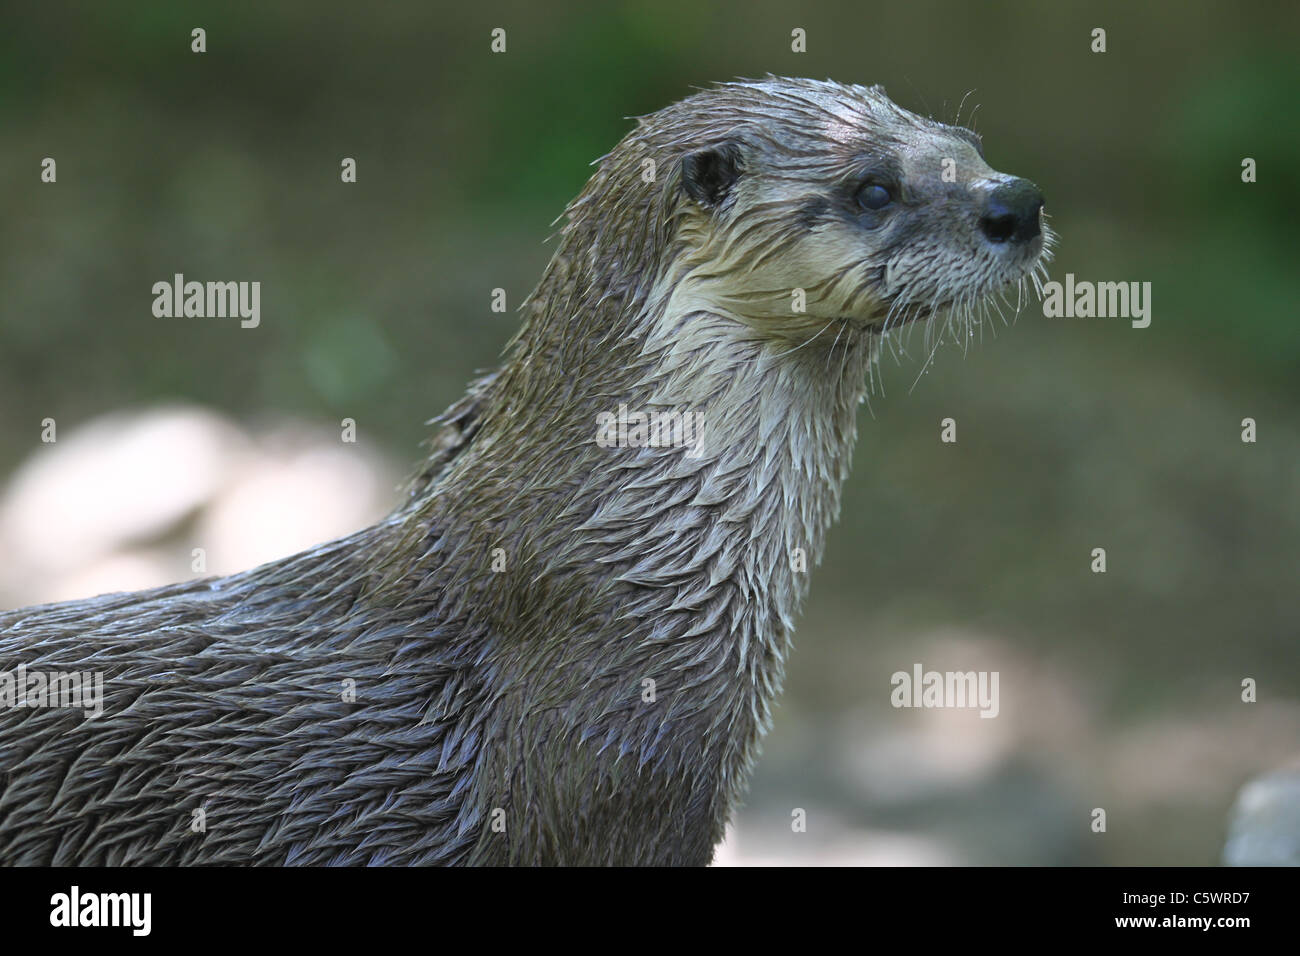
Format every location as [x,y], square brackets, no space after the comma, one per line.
[518,697]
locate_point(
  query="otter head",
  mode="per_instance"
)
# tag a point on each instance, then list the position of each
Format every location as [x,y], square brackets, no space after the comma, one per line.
[779,209]
[800,203]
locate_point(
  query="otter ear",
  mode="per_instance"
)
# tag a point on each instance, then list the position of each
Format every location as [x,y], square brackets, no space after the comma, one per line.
[708,174]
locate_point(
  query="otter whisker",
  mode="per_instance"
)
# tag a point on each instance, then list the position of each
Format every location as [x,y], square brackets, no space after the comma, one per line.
[924,367]
[813,337]
[831,353]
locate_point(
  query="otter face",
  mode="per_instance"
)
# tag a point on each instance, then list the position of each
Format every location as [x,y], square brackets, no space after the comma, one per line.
[879,215]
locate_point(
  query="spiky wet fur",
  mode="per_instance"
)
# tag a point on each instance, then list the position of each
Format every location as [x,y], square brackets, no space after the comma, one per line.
[519,697]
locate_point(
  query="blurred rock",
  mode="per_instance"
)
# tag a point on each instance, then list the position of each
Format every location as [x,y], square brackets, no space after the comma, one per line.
[120,502]
[1265,822]
[767,840]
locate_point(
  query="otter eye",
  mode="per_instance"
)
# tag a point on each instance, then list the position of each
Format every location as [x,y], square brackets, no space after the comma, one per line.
[874,196]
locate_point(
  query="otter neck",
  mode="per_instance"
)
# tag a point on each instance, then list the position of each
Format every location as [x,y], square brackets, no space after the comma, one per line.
[682,565]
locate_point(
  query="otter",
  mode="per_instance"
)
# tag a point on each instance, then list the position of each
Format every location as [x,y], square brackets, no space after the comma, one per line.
[555,650]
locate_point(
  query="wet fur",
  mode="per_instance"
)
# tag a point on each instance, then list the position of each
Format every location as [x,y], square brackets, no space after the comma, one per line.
[521,692]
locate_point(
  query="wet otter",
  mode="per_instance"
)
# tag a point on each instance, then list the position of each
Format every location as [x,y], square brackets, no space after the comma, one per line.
[556,650]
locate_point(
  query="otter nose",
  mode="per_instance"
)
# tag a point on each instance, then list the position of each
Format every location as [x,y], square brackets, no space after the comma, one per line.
[1011,212]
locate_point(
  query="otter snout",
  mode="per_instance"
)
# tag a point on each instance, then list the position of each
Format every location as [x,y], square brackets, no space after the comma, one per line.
[1011,212]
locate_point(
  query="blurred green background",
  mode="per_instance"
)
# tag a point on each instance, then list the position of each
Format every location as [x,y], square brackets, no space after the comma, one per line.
[1119,691]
